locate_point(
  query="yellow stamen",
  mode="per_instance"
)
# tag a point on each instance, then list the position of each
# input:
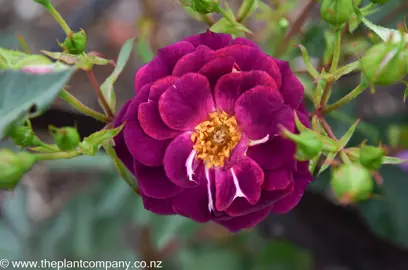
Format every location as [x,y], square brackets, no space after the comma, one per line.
[215,138]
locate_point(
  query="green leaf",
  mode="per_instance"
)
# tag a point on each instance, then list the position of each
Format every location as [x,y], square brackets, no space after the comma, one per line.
[11,59]
[25,94]
[107,86]
[90,145]
[346,138]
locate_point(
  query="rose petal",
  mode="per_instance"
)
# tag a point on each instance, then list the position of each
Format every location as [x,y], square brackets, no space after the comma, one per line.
[157,206]
[144,148]
[152,124]
[192,62]
[160,86]
[274,154]
[292,89]
[150,72]
[175,160]
[216,68]
[277,179]
[120,146]
[193,202]
[121,114]
[241,207]
[141,96]
[246,221]
[249,58]
[238,152]
[231,86]
[171,54]
[188,103]
[154,183]
[210,39]
[289,202]
[260,111]
[244,41]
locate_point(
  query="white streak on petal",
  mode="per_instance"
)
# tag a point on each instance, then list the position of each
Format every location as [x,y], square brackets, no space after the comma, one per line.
[189,165]
[210,200]
[260,141]
[238,192]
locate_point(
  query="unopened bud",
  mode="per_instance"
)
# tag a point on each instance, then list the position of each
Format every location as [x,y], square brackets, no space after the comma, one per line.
[307,142]
[76,43]
[13,166]
[24,136]
[336,12]
[352,183]
[371,157]
[384,64]
[66,138]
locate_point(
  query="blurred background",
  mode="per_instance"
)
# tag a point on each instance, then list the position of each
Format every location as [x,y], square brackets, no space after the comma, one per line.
[81,209]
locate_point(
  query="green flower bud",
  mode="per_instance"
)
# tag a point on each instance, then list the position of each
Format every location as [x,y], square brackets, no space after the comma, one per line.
[384,64]
[371,157]
[352,183]
[308,146]
[336,12]
[380,2]
[76,43]
[66,138]
[23,136]
[202,6]
[13,166]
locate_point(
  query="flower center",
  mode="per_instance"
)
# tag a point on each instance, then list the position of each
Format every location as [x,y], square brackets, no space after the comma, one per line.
[216,138]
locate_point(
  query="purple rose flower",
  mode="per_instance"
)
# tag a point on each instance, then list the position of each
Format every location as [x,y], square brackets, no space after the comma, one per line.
[202,134]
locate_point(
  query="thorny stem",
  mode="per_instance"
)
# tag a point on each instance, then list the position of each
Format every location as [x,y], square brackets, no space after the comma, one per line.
[99,93]
[347,98]
[328,129]
[296,27]
[65,95]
